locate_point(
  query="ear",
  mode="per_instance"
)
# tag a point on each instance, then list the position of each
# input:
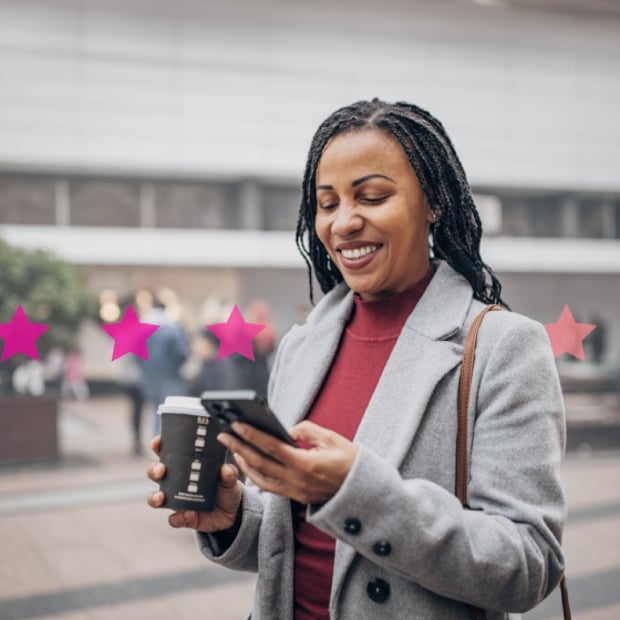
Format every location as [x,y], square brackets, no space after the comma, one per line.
[430,214]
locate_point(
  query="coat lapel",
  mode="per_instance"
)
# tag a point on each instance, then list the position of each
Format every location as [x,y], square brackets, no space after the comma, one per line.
[422,356]
[310,352]
[399,402]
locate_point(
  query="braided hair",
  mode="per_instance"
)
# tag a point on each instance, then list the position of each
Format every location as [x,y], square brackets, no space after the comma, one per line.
[456,231]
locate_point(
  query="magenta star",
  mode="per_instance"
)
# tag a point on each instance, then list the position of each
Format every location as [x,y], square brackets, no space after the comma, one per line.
[20,335]
[130,335]
[236,335]
[566,335]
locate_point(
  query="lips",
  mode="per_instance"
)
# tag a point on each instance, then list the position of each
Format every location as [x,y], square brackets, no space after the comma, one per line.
[357,254]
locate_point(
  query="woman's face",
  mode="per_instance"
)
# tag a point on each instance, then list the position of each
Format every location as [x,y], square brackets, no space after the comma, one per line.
[372,216]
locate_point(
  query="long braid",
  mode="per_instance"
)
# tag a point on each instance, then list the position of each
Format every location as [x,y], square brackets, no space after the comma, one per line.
[457,230]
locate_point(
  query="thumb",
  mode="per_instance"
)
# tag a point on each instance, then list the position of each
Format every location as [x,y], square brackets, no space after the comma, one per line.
[229,474]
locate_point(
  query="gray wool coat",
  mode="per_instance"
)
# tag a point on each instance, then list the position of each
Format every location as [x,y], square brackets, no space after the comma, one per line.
[503,553]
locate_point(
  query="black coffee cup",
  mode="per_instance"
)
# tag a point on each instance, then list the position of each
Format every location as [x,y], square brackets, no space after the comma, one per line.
[191,453]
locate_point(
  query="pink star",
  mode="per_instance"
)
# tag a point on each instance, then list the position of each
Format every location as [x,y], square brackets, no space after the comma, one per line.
[236,335]
[566,335]
[20,335]
[130,335]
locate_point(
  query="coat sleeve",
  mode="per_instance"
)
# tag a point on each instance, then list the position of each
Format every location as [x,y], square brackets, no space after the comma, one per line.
[504,552]
[242,554]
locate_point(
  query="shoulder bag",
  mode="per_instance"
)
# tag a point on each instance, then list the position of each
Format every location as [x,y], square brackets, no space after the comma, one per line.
[467,371]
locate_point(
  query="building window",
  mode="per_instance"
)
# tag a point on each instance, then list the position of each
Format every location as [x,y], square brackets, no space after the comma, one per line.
[25,200]
[516,221]
[533,216]
[590,219]
[195,205]
[280,207]
[547,217]
[105,203]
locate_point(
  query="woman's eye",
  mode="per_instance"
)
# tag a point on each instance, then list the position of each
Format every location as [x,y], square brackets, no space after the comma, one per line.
[328,206]
[372,200]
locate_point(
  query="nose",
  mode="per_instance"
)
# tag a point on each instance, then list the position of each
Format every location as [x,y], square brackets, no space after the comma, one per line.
[347,221]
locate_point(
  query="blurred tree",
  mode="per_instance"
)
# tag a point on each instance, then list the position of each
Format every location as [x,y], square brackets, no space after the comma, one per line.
[50,291]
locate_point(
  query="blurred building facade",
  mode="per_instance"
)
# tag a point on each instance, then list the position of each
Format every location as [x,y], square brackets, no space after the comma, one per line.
[162,144]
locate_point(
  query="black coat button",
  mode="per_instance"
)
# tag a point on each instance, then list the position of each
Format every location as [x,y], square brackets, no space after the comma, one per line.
[352,525]
[378,590]
[382,547]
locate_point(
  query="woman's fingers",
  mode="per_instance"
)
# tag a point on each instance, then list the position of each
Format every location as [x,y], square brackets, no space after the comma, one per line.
[266,443]
[184,518]
[263,480]
[156,444]
[156,471]
[312,434]
[156,499]
[309,476]
[259,457]
[229,476]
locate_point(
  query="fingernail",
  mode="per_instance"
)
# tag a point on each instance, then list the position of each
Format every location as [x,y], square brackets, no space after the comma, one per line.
[222,438]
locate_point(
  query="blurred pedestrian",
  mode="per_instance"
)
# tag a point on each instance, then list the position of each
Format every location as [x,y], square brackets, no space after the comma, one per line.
[131,384]
[236,372]
[255,373]
[53,369]
[597,341]
[73,377]
[213,374]
[168,349]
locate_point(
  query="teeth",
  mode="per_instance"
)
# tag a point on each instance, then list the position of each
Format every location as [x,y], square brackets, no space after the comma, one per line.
[358,252]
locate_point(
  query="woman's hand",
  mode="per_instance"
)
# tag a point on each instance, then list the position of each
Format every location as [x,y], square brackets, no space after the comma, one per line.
[227,502]
[309,476]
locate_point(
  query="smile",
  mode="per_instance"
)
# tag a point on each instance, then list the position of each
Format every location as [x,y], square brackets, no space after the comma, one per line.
[358,253]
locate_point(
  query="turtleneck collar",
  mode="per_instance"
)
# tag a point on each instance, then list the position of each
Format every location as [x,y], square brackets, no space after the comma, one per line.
[383,319]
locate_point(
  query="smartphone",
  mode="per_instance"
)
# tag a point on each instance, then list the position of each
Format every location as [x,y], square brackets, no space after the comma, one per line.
[228,406]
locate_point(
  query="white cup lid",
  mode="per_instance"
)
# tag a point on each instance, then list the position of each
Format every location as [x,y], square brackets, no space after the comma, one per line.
[182,404]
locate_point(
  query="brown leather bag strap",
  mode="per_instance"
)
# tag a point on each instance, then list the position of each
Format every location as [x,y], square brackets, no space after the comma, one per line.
[565,603]
[467,371]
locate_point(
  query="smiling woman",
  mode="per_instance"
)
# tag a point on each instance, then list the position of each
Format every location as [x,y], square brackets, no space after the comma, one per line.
[360,214]
[360,520]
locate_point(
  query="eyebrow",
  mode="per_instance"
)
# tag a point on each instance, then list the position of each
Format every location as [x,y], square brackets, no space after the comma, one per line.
[360,181]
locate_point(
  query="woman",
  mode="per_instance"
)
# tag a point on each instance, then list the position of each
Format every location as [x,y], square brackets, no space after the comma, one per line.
[364,523]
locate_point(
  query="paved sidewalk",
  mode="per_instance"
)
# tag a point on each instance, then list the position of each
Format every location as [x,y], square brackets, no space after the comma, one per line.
[79,541]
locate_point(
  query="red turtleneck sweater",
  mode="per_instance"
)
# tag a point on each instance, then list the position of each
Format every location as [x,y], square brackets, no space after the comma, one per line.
[366,344]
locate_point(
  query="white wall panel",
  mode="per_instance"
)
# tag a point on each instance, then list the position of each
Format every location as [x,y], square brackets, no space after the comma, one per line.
[238,88]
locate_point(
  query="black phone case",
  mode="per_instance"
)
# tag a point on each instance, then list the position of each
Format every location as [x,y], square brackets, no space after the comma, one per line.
[244,406]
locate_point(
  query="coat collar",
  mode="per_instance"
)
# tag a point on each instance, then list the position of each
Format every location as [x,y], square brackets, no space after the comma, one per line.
[441,311]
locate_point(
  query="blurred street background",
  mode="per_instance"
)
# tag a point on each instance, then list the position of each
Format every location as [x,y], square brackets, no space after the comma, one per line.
[151,154]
